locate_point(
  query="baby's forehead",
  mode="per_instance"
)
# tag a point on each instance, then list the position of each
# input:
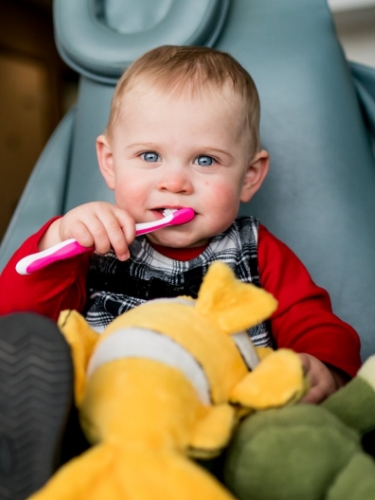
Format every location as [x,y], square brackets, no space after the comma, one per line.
[182,82]
[185,93]
[216,102]
[206,97]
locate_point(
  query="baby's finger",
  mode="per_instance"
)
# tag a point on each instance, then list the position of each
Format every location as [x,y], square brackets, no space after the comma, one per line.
[127,224]
[98,233]
[82,234]
[315,395]
[116,234]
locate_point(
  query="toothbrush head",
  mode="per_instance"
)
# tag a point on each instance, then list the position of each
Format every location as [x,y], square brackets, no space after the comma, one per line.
[172,217]
[182,216]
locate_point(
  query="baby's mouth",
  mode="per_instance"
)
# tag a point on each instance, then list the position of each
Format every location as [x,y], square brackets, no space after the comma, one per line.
[165,211]
[169,211]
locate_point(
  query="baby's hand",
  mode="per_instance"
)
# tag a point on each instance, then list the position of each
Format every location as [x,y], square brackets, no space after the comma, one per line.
[98,224]
[323,380]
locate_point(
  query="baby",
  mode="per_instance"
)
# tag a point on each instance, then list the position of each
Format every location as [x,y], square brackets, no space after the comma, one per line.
[183,132]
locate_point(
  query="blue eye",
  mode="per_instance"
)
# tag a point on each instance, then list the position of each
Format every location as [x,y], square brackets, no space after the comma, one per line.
[150,156]
[205,161]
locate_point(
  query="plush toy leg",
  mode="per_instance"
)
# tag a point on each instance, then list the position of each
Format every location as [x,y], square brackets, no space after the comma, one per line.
[105,472]
[213,432]
[277,381]
[356,481]
[166,475]
[80,477]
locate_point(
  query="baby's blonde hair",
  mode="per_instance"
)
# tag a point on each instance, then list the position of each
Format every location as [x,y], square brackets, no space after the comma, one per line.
[177,68]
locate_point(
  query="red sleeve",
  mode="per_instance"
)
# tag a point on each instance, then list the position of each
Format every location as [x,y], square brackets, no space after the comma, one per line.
[58,286]
[304,320]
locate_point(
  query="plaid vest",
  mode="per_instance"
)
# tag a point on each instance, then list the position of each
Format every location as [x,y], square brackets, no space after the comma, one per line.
[114,287]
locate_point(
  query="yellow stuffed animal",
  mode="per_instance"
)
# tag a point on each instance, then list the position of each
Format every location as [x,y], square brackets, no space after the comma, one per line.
[166,381]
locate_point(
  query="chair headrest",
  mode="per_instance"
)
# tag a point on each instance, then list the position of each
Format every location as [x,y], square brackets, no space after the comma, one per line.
[100,38]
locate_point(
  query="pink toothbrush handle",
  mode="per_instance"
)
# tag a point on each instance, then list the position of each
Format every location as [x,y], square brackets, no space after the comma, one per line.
[70,248]
[64,250]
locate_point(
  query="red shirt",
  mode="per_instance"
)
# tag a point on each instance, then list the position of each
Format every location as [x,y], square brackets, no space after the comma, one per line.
[303,321]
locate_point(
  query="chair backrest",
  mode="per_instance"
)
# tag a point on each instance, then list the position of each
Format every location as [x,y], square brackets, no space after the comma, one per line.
[319,196]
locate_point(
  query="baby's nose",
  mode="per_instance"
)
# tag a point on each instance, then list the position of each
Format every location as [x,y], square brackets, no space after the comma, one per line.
[176,181]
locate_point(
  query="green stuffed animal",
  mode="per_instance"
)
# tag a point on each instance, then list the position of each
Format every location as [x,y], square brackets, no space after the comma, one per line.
[308,452]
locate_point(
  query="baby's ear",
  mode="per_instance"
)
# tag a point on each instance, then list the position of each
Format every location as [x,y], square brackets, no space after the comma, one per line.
[256,172]
[105,160]
[82,340]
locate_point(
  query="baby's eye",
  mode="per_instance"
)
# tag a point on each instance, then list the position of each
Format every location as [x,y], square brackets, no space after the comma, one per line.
[150,156]
[204,161]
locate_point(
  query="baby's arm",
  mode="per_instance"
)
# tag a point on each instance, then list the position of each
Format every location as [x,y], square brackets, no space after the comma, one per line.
[304,320]
[59,286]
[324,380]
[98,224]
[62,285]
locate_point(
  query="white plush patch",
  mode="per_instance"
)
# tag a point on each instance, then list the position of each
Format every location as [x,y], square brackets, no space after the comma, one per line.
[141,343]
[247,349]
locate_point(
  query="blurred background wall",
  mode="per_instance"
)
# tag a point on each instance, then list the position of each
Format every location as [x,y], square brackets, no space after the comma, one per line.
[37,88]
[355,24]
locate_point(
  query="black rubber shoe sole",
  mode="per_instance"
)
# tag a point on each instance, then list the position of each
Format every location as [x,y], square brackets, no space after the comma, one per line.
[36,397]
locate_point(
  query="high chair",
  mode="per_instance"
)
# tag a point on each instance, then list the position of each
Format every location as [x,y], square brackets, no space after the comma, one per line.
[318,123]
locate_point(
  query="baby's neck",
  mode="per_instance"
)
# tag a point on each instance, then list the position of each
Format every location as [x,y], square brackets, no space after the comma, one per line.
[183,254]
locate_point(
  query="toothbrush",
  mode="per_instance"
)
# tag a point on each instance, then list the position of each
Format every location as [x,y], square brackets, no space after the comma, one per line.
[71,247]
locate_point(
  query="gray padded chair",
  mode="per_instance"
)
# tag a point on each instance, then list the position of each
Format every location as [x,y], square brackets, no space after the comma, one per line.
[318,122]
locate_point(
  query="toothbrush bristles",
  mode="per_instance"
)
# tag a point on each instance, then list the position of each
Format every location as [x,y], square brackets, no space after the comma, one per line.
[169,211]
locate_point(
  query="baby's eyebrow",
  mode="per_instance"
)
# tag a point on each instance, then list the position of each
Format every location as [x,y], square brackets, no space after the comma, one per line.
[216,150]
[149,145]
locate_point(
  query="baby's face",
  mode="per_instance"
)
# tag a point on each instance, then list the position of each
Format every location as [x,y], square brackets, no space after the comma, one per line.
[180,151]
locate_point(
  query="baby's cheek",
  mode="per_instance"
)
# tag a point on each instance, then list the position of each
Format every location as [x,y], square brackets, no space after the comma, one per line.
[222,196]
[131,194]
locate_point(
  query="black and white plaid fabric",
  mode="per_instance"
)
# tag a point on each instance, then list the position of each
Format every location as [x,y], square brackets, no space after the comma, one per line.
[115,287]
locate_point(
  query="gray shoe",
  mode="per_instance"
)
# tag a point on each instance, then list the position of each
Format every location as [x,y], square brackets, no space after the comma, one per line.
[36,398]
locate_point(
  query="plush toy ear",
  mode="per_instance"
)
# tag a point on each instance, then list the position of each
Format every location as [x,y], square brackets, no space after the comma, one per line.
[232,305]
[82,340]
